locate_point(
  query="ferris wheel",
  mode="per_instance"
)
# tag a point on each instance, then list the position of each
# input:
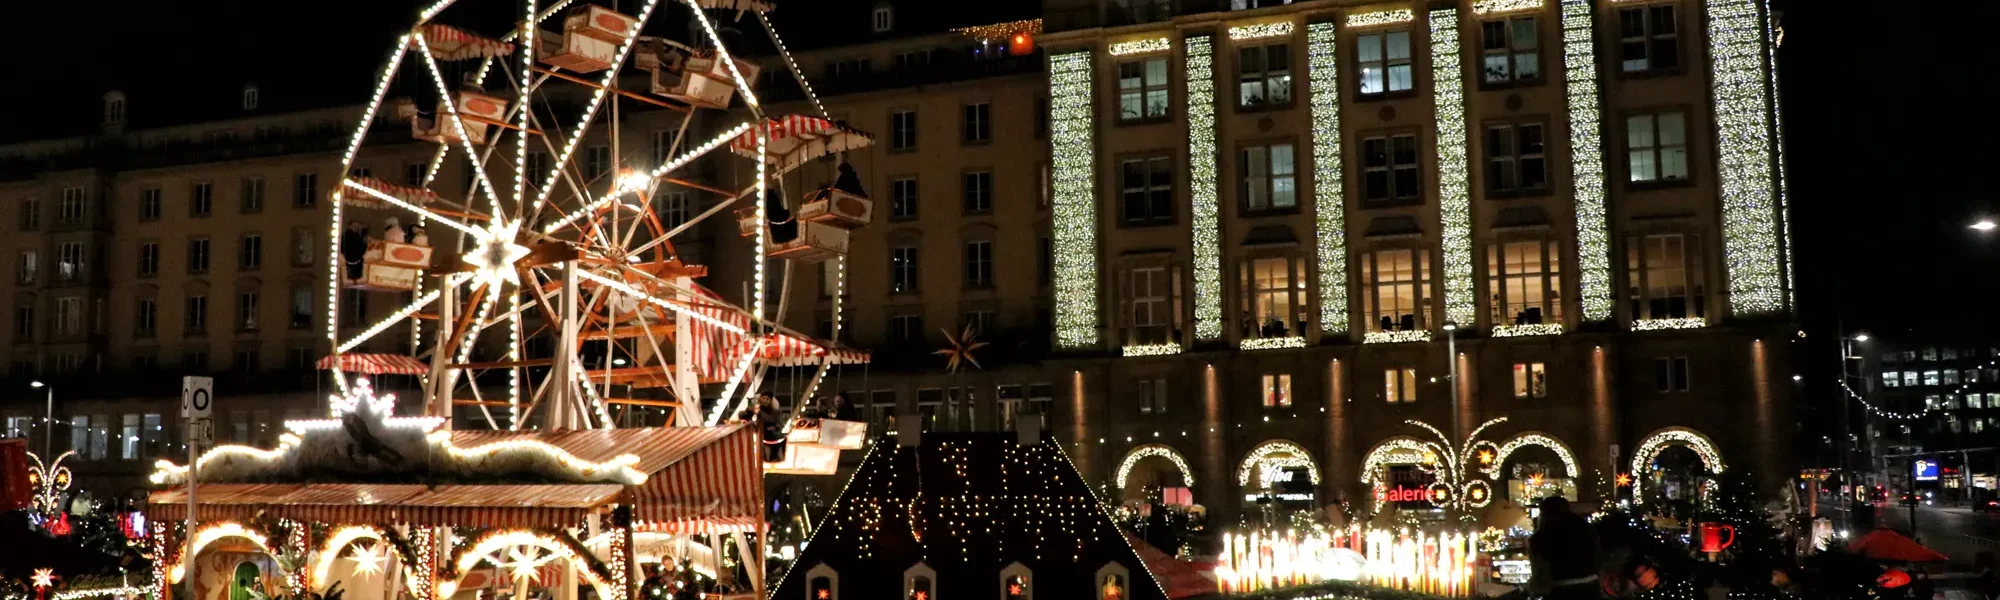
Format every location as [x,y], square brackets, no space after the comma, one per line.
[547,241]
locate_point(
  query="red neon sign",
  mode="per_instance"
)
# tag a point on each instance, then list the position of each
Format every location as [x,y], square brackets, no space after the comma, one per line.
[1404,494]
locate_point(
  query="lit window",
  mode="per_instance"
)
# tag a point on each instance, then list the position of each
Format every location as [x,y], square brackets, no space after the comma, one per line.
[1931,378]
[69,261]
[1264,76]
[1525,283]
[1950,377]
[1511,51]
[1656,147]
[1384,59]
[1664,277]
[1269,178]
[1277,390]
[1394,289]
[1276,293]
[1399,386]
[1152,302]
[1647,39]
[1910,379]
[1889,379]
[1142,89]
[1530,380]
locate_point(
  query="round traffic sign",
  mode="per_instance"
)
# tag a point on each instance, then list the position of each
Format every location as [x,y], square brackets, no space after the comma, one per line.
[199,400]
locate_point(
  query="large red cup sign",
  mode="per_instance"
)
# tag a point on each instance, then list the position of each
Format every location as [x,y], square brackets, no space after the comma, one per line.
[1712,538]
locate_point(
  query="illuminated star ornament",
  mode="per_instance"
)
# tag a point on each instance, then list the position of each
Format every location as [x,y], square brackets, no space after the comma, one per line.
[960,349]
[361,399]
[367,559]
[495,253]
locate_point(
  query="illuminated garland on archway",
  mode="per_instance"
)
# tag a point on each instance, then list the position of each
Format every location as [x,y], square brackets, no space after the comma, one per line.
[1279,453]
[1533,438]
[1672,436]
[1152,450]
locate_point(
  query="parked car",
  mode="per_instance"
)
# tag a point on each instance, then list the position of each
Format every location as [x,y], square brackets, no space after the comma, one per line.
[1987,505]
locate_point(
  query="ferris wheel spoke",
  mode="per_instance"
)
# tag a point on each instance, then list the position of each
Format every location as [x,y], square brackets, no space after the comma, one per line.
[420,211]
[403,313]
[597,100]
[458,123]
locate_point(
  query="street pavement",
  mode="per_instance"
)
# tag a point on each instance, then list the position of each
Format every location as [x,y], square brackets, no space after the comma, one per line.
[1958,532]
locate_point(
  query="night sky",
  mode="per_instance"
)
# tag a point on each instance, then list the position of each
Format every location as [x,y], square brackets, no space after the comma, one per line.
[1887,160]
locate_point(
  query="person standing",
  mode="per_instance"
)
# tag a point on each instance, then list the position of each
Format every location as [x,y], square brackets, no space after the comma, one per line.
[1562,554]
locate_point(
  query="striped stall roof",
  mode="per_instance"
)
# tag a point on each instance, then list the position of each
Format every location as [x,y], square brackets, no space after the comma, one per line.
[718,489]
[470,505]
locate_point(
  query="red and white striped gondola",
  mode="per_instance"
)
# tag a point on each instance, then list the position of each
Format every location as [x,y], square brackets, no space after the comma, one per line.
[374,364]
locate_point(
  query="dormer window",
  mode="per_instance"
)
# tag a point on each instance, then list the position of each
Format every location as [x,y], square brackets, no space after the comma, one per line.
[822,583]
[249,97]
[1017,583]
[883,18]
[114,108]
[919,582]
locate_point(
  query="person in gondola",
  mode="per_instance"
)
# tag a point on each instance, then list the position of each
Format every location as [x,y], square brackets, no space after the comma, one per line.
[392,231]
[353,246]
[848,181]
[784,228]
[418,237]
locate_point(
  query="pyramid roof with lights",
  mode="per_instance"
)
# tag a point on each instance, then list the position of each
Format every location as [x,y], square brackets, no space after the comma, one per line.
[968,506]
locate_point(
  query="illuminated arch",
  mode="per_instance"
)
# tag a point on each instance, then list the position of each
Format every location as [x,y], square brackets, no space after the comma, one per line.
[1650,447]
[1534,438]
[1151,450]
[212,533]
[485,549]
[1398,450]
[339,540]
[1283,453]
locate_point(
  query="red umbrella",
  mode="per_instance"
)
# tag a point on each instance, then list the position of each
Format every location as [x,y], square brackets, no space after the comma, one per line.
[1883,544]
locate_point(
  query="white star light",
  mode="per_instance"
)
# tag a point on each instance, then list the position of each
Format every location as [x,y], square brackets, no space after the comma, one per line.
[367,559]
[495,254]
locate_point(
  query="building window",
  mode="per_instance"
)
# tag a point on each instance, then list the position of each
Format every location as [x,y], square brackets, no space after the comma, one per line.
[1277,390]
[978,123]
[201,199]
[1399,385]
[100,425]
[198,255]
[1142,89]
[1525,281]
[1275,295]
[302,247]
[1910,379]
[69,261]
[1530,380]
[1656,146]
[596,162]
[353,307]
[978,192]
[1385,62]
[1931,378]
[1394,286]
[1153,299]
[1670,374]
[31,214]
[246,311]
[413,174]
[1516,160]
[1148,188]
[906,328]
[114,110]
[903,198]
[1264,76]
[302,307]
[882,19]
[1269,178]
[299,358]
[69,315]
[146,317]
[359,172]
[1665,277]
[979,265]
[149,204]
[1512,51]
[913,60]
[197,314]
[305,190]
[247,359]
[903,130]
[903,269]
[1390,171]
[31,261]
[1648,39]
[128,437]
[979,321]
[253,195]
[663,145]
[70,211]
[250,252]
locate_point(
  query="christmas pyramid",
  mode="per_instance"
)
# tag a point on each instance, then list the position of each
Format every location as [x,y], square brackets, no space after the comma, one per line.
[968,515]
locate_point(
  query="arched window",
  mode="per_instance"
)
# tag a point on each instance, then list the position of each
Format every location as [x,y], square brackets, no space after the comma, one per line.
[1017,583]
[884,17]
[1113,582]
[822,583]
[920,582]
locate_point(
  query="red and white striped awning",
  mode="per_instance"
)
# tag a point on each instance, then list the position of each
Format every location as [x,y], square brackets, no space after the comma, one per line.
[451,43]
[795,139]
[512,505]
[787,350]
[413,195]
[374,364]
[717,489]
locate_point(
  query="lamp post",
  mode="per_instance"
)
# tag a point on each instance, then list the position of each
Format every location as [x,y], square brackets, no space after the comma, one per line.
[49,416]
[1451,370]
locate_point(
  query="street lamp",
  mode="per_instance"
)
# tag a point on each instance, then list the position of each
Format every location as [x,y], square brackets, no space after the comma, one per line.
[1982,225]
[48,437]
